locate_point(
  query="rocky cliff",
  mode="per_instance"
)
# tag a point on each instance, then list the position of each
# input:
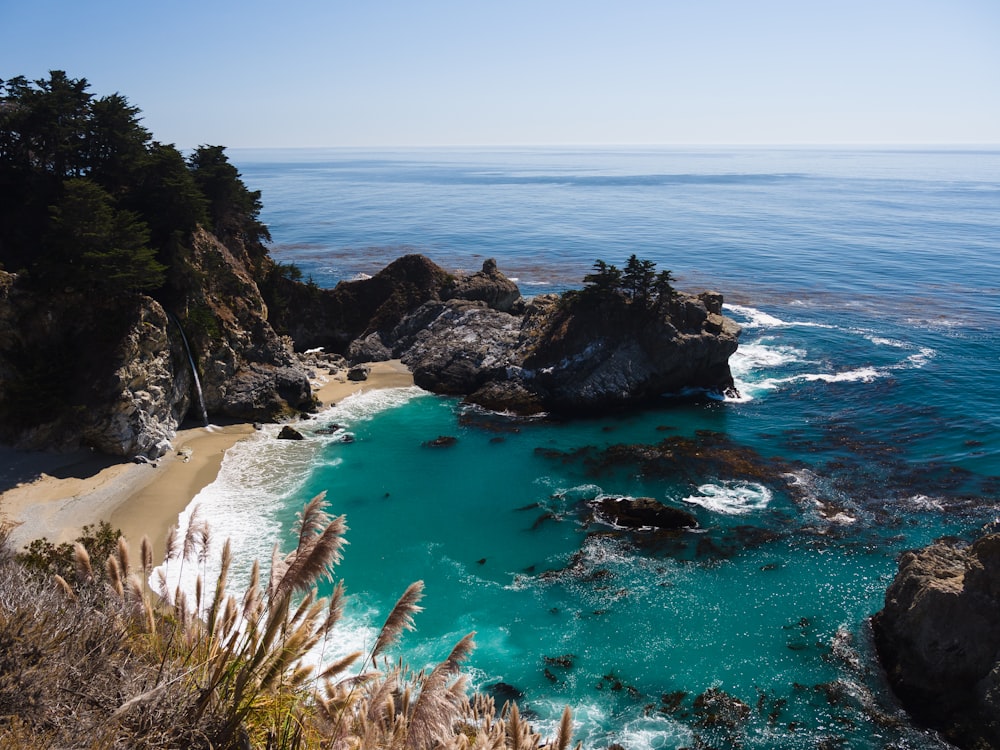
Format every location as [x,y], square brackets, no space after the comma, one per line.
[476,337]
[938,638]
[74,370]
[247,370]
[113,373]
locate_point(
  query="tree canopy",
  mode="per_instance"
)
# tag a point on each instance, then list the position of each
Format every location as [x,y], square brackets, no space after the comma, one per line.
[90,197]
[638,284]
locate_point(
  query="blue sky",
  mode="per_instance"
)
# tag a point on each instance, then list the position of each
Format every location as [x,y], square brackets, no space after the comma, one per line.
[259,73]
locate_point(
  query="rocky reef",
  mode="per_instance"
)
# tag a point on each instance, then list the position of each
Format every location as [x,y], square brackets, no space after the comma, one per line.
[938,638]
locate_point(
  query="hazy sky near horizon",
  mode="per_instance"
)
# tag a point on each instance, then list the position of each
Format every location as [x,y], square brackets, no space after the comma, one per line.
[471,72]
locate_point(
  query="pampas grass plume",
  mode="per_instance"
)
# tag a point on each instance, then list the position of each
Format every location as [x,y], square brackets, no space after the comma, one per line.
[81,562]
[401,617]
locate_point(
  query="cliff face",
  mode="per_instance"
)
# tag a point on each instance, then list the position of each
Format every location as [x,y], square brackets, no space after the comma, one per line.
[938,638]
[113,373]
[103,373]
[247,371]
[481,340]
[353,310]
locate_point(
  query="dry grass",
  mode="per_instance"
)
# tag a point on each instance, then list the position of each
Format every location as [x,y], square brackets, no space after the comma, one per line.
[106,663]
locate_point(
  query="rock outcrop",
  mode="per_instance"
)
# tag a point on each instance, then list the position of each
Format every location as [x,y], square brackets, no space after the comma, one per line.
[247,371]
[354,313]
[113,374]
[566,355]
[938,638]
[104,373]
[488,285]
[642,513]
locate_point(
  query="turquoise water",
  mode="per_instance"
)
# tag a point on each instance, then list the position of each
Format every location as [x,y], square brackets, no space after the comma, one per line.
[867,286]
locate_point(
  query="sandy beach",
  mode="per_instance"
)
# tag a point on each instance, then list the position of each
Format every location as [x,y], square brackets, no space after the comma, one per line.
[55,495]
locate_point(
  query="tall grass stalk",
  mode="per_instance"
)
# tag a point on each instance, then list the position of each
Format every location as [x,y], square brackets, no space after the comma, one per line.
[114,665]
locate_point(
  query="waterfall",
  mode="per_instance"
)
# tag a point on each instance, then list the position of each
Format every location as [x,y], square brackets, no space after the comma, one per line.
[194,371]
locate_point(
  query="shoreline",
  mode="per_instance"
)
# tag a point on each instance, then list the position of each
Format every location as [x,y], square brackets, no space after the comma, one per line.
[55,495]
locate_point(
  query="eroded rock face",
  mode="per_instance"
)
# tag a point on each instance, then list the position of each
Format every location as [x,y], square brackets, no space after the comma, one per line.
[350,318]
[247,370]
[113,374]
[488,286]
[458,346]
[938,638]
[101,373]
[548,355]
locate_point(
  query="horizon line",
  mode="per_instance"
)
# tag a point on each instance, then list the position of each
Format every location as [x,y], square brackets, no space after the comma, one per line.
[818,144]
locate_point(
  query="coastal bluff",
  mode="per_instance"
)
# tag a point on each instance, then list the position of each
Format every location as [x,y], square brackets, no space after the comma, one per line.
[119,373]
[938,638]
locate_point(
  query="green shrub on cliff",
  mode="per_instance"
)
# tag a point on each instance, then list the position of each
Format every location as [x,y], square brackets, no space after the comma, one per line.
[47,559]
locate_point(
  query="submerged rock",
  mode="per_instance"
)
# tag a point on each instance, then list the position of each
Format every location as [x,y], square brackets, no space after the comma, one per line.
[643,512]
[938,638]
[441,441]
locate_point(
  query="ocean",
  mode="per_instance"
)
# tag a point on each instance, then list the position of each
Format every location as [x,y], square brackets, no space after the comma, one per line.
[867,283]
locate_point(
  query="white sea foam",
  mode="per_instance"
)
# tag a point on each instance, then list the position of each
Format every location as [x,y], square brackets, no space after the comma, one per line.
[881,340]
[257,478]
[751,359]
[761,356]
[654,733]
[731,498]
[759,319]
[918,359]
[365,405]
[574,494]
[924,503]
[860,375]
[595,725]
